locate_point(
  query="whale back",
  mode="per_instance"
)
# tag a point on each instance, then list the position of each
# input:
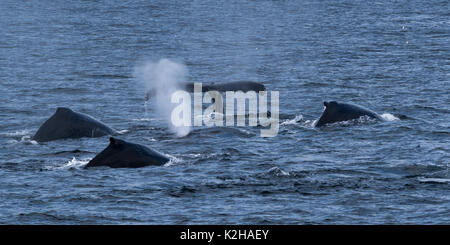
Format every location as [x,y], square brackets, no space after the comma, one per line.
[339,112]
[244,86]
[123,154]
[65,123]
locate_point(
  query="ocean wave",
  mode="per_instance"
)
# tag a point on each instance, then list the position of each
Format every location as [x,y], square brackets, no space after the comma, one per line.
[276,171]
[433,180]
[23,132]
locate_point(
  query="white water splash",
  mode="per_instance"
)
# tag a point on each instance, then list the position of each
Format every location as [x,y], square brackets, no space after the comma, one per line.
[276,171]
[164,78]
[151,139]
[124,131]
[312,123]
[27,140]
[17,133]
[296,120]
[389,117]
[20,136]
[172,160]
[143,119]
[74,163]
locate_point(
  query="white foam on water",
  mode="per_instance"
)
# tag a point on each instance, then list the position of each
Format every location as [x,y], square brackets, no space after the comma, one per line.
[277,172]
[151,139]
[143,119]
[362,120]
[195,155]
[433,180]
[26,139]
[172,160]
[74,163]
[389,117]
[20,136]
[296,120]
[33,142]
[17,133]
[123,131]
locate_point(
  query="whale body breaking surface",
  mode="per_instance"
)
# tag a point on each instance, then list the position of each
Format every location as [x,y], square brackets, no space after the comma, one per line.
[68,124]
[339,112]
[244,86]
[122,154]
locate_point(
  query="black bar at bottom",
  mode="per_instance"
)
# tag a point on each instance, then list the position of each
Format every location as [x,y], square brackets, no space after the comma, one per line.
[226,234]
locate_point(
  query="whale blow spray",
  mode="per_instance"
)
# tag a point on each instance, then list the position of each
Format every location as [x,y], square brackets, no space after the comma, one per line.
[164,78]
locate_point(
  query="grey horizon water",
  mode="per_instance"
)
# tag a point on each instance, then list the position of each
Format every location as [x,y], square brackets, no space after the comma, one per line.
[390,57]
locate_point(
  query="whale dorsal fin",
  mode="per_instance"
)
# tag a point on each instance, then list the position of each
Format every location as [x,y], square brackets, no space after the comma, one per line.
[63,109]
[331,103]
[112,141]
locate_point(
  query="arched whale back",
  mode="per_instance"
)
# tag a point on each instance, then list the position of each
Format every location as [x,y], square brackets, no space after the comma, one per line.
[123,154]
[65,124]
[243,86]
[338,112]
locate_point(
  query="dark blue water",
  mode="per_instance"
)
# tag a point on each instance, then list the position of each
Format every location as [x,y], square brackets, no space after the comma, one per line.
[393,58]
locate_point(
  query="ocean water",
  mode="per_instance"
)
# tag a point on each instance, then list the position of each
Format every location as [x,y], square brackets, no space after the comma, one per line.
[390,56]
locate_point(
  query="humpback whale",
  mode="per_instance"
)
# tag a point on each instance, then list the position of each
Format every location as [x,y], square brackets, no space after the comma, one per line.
[65,124]
[338,112]
[244,86]
[122,154]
